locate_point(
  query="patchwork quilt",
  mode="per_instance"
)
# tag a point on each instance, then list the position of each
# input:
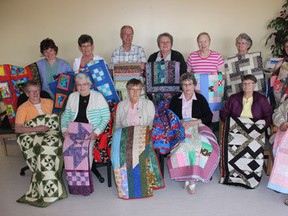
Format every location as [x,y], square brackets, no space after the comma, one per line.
[122,73]
[43,155]
[163,77]
[102,146]
[167,130]
[242,152]
[61,88]
[134,162]
[11,81]
[76,157]
[237,66]
[196,157]
[212,88]
[101,80]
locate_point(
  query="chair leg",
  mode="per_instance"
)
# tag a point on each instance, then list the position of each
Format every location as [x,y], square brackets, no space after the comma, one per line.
[161,161]
[97,173]
[109,173]
[5,146]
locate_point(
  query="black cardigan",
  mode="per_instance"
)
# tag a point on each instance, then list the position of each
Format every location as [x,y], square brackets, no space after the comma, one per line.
[200,108]
[175,56]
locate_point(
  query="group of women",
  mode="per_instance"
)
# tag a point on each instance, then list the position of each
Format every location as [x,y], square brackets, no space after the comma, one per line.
[197,156]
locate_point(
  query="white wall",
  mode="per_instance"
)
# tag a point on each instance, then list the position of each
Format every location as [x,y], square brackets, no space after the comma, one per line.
[24,23]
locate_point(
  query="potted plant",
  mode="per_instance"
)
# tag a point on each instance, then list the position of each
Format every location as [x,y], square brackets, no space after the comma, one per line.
[280,31]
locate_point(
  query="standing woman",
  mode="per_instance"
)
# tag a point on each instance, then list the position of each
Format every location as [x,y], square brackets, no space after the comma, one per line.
[243,44]
[165,43]
[197,156]
[86,47]
[50,66]
[205,60]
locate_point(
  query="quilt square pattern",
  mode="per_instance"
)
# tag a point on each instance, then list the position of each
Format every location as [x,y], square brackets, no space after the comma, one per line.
[43,155]
[62,87]
[101,80]
[242,143]
[237,66]
[212,88]
[163,77]
[11,79]
[122,73]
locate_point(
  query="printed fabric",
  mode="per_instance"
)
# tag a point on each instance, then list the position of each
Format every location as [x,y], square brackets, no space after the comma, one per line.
[242,143]
[278,180]
[43,155]
[196,157]
[134,162]
[76,157]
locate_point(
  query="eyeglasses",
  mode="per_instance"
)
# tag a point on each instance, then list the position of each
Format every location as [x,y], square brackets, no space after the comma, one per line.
[135,90]
[248,84]
[83,84]
[127,35]
[241,43]
[187,85]
[35,91]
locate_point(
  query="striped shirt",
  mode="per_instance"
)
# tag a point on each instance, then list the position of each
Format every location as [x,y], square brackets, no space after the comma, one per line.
[206,65]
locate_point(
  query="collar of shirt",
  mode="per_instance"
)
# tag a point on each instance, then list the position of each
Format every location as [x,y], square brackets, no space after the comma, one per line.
[183,98]
[159,57]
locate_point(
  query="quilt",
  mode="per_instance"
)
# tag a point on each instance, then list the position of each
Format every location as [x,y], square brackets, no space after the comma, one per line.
[61,88]
[167,130]
[11,81]
[242,143]
[102,146]
[237,66]
[196,157]
[101,80]
[163,77]
[43,155]
[278,178]
[76,157]
[212,88]
[122,73]
[134,162]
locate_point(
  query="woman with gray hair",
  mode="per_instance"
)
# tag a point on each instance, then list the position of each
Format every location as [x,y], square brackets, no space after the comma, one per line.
[197,156]
[86,106]
[243,44]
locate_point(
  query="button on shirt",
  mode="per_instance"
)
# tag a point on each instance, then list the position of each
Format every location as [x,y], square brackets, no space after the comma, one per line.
[187,106]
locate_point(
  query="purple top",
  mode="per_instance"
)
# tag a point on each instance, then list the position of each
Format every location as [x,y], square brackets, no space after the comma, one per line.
[261,109]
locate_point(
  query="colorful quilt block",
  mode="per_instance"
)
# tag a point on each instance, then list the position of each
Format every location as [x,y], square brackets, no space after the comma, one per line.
[60,99]
[211,87]
[10,111]
[101,80]
[17,85]
[127,69]
[64,82]
[15,70]
[163,77]
[5,91]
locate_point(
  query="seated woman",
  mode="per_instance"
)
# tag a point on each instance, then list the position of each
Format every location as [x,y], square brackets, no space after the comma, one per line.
[197,156]
[89,108]
[39,129]
[248,103]
[243,44]
[86,47]
[134,162]
[278,179]
[50,66]
[243,148]
[278,79]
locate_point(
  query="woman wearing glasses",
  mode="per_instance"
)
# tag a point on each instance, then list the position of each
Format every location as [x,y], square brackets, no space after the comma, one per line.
[134,110]
[248,103]
[197,156]
[134,161]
